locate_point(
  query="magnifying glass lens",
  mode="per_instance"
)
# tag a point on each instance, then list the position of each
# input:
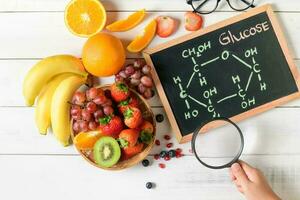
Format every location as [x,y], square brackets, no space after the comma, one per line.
[218,147]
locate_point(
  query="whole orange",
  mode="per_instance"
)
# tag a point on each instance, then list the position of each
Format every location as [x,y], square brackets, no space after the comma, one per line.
[103,55]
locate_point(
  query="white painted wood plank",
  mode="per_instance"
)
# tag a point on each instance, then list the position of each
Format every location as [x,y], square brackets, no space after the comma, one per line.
[14,71]
[37,35]
[112,5]
[274,132]
[53,177]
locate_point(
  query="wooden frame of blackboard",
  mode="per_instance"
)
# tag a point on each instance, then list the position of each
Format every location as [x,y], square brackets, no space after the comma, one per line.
[283,44]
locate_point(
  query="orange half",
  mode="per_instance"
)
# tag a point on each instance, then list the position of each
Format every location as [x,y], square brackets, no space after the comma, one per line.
[142,40]
[85,18]
[129,23]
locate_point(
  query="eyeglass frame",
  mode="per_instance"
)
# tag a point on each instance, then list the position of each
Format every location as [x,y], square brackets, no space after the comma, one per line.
[190,2]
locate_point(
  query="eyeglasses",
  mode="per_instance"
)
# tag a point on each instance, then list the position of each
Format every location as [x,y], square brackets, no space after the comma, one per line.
[209,6]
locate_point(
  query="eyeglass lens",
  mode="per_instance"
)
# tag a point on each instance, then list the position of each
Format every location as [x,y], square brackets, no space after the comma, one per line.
[209,6]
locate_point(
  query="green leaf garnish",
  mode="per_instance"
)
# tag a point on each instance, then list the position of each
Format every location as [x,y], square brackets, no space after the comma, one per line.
[145,137]
[104,120]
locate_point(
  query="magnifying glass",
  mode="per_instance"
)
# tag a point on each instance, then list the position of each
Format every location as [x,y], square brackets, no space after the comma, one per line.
[218,148]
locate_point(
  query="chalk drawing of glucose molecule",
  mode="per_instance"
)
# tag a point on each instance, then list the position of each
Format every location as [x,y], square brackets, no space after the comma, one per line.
[241,86]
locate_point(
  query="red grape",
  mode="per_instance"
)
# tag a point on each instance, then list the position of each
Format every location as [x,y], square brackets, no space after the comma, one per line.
[98,114]
[86,115]
[129,70]
[84,126]
[141,88]
[91,107]
[75,110]
[135,82]
[147,81]
[100,100]
[91,93]
[146,69]
[138,63]
[107,103]
[136,75]
[108,110]
[93,125]
[77,116]
[76,127]
[123,74]
[79,97]
[148,93]
[118,78]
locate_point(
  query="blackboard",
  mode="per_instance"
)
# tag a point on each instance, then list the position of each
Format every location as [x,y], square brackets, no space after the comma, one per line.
[235,69]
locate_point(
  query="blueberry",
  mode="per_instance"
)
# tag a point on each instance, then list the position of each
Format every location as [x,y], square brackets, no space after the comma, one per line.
[172,153]
[145,163]
[149,185]
[163,154]
[159,118]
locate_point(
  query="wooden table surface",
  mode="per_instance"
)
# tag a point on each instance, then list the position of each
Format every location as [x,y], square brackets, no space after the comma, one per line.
[37,167]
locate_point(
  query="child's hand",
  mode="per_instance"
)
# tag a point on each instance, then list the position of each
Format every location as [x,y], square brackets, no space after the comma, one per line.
[251,182]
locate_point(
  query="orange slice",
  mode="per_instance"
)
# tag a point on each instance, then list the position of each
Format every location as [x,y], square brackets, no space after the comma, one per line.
[86,140]
[142,40]
[85,18]
[129,23]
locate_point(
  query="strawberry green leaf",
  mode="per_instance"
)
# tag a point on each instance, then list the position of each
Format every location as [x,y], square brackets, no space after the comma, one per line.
[122,86]
[145,137]
[128,113]
[104,120]
[123,143]
[124,103]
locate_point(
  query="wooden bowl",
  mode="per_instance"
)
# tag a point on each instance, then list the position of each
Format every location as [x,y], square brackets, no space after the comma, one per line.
[147,115]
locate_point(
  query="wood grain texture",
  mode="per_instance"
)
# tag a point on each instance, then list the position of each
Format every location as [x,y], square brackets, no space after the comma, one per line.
[54,177]
[36,167]
[117,5]
[48,35]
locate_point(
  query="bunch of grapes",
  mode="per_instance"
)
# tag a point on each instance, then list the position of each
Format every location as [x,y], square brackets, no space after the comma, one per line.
[137,76]
[88,107]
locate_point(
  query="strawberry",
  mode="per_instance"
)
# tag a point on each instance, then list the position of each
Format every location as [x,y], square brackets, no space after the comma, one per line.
[146,134]
[193,21]
[119,91]
[130,102]
[128,138]
[165,26]
[128,152]
[147,127]
[133,117]
[111,126]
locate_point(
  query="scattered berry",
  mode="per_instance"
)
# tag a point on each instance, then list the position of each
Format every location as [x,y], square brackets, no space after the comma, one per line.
[149,185]
[163,154]
[145,163]
[179,155]
[169,145]
[193,21]
[178,150]
[167,137]
[167,158]
[165,26]
[156,156]
[159,118]
[161,165]
[172,153]
[157,142]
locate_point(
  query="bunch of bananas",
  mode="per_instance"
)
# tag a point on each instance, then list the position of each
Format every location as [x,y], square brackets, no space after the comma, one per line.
[52,81]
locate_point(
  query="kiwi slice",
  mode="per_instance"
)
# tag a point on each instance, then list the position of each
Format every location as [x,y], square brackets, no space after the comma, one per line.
[107,152]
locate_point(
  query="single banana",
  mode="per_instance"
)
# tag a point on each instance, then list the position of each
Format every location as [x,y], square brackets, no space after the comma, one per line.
[60,108]
[46,69]
[43,106]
